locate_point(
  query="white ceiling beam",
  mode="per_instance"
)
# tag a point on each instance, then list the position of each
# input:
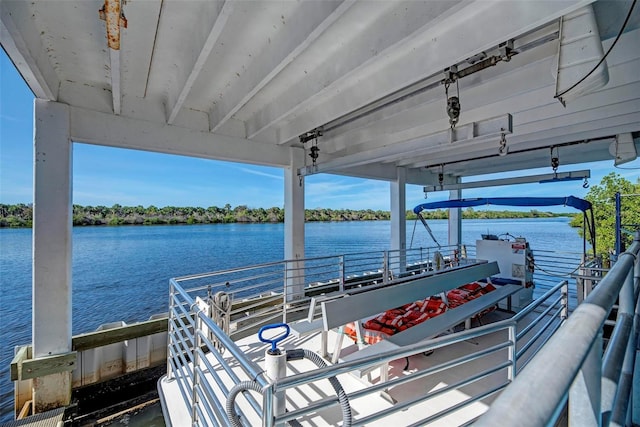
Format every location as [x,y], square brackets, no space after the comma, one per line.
[505,93]
[577,154]
[382,27]
[137,48]
[23,45]
[116,131]
[539,112]
[465,135]
[309,22]
[541,140]
[179,92]
[401,60]
[551,129]
[488,100]
[376,171]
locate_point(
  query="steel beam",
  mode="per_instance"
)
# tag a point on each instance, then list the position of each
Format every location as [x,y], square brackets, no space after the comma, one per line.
[548,177]
[463,136]
[398,59]
[308,23]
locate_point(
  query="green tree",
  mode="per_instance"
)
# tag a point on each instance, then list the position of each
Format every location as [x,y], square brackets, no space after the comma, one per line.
[602,197]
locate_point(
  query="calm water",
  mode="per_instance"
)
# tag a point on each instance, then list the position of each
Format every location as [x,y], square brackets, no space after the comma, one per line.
[122,273]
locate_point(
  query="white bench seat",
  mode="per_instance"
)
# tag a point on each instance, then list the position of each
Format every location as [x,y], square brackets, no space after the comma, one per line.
[436,325]
[337,313]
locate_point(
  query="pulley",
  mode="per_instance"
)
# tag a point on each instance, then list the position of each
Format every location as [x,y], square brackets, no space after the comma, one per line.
[555,160]
[313,153]
[453,110]
[453,102]
[502,151]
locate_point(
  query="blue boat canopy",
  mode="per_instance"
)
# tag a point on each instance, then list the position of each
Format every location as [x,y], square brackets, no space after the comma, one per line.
[574,202]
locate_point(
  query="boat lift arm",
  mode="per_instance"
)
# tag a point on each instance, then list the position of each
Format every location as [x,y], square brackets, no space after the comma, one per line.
[424,222]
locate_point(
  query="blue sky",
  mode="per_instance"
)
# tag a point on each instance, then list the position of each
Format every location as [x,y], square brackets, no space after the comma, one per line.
[105,176]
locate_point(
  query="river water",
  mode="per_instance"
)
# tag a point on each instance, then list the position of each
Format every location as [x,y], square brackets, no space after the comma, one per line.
[122,273]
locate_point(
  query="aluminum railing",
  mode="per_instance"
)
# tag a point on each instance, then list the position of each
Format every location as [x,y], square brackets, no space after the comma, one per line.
[571,372]
[202,357]
[195,360]
[281,290]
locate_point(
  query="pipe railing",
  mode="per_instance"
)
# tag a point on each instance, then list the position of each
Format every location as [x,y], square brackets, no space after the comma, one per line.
[197,364]
[283,289]
[196,345]
[311,377]
[570,367]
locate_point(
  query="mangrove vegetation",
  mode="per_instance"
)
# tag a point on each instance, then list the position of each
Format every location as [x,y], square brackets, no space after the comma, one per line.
[21,215]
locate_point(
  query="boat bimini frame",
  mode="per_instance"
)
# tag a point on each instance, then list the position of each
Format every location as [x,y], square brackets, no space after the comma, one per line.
[574,202]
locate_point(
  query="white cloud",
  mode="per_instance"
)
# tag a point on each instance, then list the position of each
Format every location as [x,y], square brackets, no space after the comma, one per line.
[348,193]
[9,118]
[260,173]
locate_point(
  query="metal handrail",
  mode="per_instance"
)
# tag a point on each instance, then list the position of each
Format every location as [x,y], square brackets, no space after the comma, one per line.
[190,330]
[549,376]
[375,360]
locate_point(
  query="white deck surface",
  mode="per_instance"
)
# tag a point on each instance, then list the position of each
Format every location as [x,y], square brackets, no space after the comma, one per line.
[303,396]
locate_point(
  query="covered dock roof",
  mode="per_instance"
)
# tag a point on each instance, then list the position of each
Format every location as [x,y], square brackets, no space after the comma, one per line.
[246,80]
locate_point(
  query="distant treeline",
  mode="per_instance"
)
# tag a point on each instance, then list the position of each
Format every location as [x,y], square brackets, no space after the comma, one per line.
[20,215]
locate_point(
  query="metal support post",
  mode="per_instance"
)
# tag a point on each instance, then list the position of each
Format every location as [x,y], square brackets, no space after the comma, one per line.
[399,219]
[170,331]
[268,397]
[511,370]
[294,227]
[341,278]
[455,219]
[564,314]
[197,344]
[585,392]
[385,267]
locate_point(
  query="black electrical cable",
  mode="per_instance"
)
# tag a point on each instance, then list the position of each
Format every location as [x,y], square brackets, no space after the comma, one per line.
[605,55]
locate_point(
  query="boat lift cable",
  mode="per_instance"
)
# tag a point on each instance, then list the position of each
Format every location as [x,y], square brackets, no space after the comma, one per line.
[424,222]
[413,233]
[624,25]
[564,275]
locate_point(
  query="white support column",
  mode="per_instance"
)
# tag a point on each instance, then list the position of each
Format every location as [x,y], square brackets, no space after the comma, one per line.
[455,219]
[294,225]
[399,221]
[52,225]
